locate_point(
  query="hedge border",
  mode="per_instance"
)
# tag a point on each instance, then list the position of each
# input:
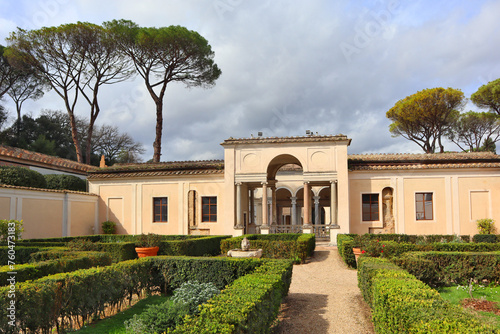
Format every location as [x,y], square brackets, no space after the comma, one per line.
[448,268]
[402,304]
[32,271]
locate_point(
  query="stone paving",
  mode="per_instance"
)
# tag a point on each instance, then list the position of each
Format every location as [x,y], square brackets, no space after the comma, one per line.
[324,298]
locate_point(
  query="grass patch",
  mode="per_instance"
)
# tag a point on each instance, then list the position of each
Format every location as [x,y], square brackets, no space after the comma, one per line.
[456,294]
[115,324]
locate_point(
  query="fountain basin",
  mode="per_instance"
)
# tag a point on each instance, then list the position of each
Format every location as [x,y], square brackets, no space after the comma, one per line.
[248,253]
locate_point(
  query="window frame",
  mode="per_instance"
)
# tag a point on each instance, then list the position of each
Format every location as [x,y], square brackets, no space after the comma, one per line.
[212,217]
[372,212]
[162,206]
[424,201]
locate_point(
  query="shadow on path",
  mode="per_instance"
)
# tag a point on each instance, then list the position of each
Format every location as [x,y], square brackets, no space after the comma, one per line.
[303,313]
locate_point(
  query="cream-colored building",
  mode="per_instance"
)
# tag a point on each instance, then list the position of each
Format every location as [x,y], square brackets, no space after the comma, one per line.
[311,185]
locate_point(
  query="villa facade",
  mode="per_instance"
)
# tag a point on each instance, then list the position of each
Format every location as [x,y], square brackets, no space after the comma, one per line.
[301,184]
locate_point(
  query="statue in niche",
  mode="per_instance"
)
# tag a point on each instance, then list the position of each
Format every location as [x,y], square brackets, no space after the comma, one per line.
[388,212]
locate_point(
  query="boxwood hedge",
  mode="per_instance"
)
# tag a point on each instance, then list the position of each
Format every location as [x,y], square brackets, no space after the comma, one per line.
[402,304]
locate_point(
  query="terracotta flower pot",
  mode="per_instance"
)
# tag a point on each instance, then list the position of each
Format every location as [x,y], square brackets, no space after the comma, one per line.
[357,252]
[146,251]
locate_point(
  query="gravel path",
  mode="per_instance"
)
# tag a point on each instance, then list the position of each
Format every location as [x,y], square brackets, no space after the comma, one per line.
[324,298]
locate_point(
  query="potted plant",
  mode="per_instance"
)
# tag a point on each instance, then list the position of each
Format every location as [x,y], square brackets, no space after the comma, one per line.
[359,244]
[148,244]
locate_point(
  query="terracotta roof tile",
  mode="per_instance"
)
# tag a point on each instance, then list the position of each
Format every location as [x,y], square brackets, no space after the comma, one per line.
[294,139]
[17,155]
[423,161]
[172,168]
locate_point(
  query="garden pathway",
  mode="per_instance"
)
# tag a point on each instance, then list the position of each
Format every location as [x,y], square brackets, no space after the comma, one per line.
[324,298]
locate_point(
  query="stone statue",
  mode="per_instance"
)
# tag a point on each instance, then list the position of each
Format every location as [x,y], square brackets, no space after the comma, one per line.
[245,244]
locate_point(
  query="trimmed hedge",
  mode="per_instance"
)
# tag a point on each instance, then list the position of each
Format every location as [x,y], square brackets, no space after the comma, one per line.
[491,238]
[22,177]
[32,271]
[65,298]
[204,246]
[249,305]
[402,304]
[345,243]
[23,254]
[447,268]
[294,246]
[65,182]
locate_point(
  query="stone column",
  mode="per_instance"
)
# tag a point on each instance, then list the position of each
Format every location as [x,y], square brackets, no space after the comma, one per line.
[252,206]
[274,215]
[317,216]
[294,210]
[307,205]
[333,203]
[238,206]
[265,223]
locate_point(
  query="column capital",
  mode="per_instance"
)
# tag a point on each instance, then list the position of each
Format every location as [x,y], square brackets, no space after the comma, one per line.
[238,183]
[306,182]
[316,199]
[264,183]
[333,181]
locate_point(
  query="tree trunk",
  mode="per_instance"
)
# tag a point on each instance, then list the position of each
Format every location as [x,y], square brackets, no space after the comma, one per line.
[74,136]
[159,128]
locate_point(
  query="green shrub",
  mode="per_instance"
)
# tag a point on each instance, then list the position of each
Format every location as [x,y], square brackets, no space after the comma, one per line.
[447,268]
[486,226]
[489,238]
[32,271]
[345,243]
[65,182]
[194,293]
[10,230]
[402,304]
[158,318]
[108,227]
[22,177]
[22,254]
[201,246]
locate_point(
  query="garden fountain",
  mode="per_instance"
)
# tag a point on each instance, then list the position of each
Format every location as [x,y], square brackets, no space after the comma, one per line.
[245,250]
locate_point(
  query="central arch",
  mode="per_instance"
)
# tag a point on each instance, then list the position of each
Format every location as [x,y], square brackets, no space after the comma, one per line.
[279,161]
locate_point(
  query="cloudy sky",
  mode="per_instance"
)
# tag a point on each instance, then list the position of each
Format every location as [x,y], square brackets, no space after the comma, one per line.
[288,66]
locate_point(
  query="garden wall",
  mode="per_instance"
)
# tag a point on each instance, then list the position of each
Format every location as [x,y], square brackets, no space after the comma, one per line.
[49,213]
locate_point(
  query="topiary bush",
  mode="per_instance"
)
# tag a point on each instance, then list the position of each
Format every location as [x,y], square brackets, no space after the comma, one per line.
[65,182]
[21,177]
[108,227]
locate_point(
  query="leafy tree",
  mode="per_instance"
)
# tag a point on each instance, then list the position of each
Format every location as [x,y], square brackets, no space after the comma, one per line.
[105,65]
[8,75]
[489,146]
[164,55]
[426,116]
[488,96]
[3,116]
[109,141]
[471,130]
[27,86]
[76,59]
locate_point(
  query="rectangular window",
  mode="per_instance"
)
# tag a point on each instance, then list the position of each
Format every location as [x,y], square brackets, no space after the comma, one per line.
[370,207]
[423,205]
[160,209]
[209,209]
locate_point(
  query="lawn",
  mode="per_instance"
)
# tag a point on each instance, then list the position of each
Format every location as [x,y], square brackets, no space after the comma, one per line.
[460,294]
[115,324]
